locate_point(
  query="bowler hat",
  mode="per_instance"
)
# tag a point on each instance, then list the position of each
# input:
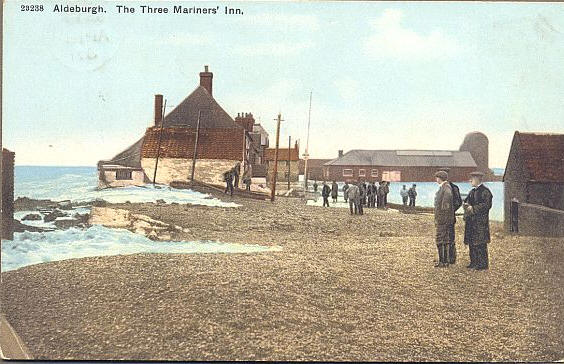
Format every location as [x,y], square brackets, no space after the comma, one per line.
[442,175]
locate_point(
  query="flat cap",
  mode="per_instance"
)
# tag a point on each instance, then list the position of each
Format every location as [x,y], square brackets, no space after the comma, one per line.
[442,175]
[477,174]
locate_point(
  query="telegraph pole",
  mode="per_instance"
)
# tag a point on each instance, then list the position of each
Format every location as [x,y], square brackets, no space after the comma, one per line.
[273,189]
[196,146]
[306,154]
[289,159]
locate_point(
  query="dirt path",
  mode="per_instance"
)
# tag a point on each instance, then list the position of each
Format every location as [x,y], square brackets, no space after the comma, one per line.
[343,288]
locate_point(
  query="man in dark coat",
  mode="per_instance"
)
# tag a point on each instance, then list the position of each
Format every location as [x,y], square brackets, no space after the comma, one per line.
[228,178]
[386,191]
[314,186]
[412,193]
[444,217]
[477,207]
[325,193]
[334,191]
[362,197]
[345,189]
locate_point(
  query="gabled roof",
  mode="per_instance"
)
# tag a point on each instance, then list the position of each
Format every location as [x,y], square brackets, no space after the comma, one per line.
[405,158]
[542,156]
[186,113]
[131,157]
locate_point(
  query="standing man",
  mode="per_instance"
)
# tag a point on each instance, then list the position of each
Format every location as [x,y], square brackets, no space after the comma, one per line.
[228,178]
[444,217]
[354,199]
[247,176]
[477,207]
[345,189]
[362,197]
[386,191]
[314,186]
[334,191]
[412,193]
[404,195]
[325,192]
[235,171]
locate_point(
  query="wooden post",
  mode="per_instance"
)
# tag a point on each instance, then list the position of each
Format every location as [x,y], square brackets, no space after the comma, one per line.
[289,158]
[306,154]
[196,146]
[273,189]
[159,144]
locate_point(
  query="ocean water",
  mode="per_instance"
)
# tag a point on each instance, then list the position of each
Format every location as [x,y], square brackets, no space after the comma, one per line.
[79,184]
[426,195]
[29,248]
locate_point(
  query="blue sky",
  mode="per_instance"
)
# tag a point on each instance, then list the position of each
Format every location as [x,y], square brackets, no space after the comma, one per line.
[387,75]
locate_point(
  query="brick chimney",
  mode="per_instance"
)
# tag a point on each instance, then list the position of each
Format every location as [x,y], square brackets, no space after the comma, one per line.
[158,110]
[340,153]
[206,78]
[246,120]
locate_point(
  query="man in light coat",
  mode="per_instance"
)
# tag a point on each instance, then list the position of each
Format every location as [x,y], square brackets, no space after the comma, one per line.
[444,217]
[353,193]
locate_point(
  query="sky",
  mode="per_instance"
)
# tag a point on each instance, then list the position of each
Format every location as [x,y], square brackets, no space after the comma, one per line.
[386,75]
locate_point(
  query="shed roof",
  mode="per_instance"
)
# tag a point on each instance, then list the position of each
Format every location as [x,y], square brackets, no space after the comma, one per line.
[405,158]
[186,113]
[543,156]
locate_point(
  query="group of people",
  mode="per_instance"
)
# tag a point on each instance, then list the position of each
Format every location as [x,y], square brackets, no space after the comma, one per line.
[231,178]
[476,217]
[365,194]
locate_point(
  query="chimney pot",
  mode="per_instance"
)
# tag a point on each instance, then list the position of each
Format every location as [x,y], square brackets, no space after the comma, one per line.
[340,153]
[206,80]
[158,109]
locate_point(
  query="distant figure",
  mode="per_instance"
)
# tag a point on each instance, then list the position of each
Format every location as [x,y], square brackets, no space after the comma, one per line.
[444,218]
[228,178]
[371,195]
[386,191]
[365,196]
[247,176]
[381,195]
[235,172]
[477,207]
[314,186]
[354,199]
[404,195]
[345,189]
[362,198]
[325,192]
[412,193]
[334,191]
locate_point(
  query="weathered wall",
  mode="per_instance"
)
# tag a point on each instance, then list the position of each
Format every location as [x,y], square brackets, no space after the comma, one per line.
[138,179]
[538,220]
[282,170]
[179,169]
[408,174]
[547,194]
[7,173]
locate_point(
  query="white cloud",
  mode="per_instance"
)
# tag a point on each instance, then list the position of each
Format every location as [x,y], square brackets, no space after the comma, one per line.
[348,88]
[294,22]
[273,48]
[392,40]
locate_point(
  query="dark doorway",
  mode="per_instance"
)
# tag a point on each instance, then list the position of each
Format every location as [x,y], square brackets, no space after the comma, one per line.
[514,216]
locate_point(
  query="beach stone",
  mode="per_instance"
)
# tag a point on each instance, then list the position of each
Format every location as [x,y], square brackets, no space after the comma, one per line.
[65,224]
[32,217]
[54,215]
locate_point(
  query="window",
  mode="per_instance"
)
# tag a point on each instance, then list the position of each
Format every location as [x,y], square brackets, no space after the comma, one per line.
[362,173]
[391,176]
[374,173]
[347,172]
[123,174]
